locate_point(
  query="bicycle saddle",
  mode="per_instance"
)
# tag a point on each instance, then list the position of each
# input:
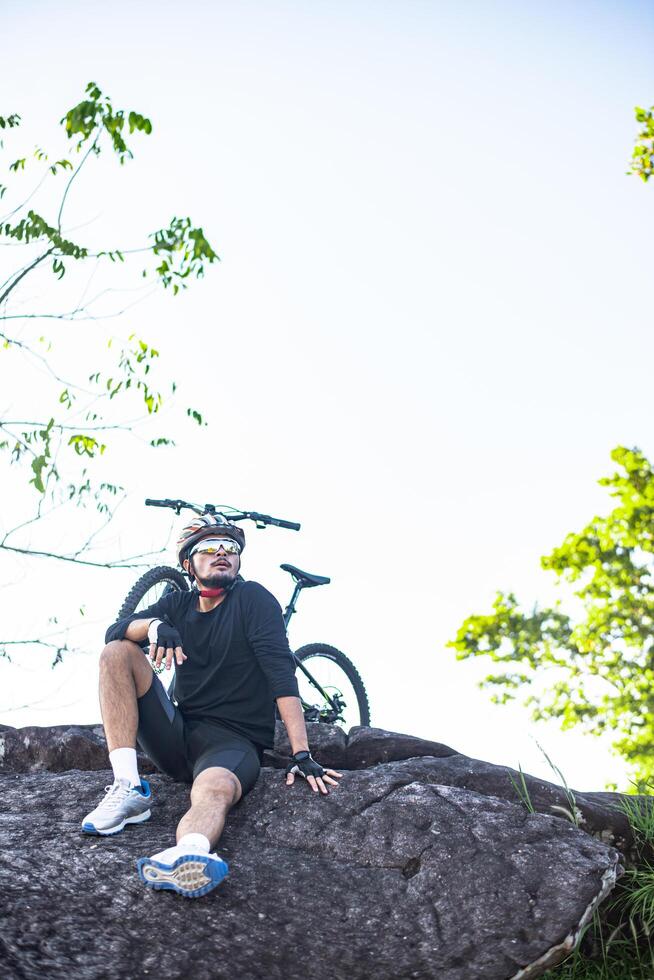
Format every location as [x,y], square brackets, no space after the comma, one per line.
[305,579]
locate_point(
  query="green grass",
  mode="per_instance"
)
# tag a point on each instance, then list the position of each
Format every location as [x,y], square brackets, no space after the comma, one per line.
[619,944]
[640,814]
[626,954]
[572,811]
[522,790]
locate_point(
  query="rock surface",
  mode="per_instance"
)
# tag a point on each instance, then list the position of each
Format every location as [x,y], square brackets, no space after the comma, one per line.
[63,747]
[56,748]
[417,866]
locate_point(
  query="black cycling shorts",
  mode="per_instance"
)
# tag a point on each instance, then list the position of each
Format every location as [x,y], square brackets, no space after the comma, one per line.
[183,747]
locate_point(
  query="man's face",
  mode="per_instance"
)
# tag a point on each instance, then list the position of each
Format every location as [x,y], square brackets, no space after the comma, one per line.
[215,567]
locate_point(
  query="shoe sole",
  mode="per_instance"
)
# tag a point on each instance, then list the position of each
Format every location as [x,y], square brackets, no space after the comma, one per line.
[90,828]
[191,875]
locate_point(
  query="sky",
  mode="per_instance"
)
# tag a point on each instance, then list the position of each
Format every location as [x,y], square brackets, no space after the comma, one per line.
[426,332]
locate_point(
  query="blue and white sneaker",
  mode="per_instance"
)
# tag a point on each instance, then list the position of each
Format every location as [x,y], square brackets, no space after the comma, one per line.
[123,804]
[179,870]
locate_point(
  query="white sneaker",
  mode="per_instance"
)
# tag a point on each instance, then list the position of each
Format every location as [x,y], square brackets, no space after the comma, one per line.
[184,871]
[122,804]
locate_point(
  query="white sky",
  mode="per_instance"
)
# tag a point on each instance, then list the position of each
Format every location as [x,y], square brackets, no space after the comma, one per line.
[428,328]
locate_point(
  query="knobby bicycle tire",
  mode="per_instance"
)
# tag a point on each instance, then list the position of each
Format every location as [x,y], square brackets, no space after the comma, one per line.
[174,579]
[311,650]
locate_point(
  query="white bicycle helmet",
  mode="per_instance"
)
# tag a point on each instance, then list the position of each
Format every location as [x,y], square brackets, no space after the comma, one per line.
[204,526]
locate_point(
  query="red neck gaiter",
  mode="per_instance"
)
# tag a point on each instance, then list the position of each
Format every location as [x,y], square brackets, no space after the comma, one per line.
[211,593]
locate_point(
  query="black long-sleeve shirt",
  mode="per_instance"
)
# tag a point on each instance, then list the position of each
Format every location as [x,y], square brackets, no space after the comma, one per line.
[238,662]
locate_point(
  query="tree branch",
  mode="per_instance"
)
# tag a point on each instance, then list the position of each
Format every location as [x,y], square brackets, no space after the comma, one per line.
[101,527]
[72,178]
[122,563]
[26,448]
[28,350]
[57,425]
[39,516]
[29,268]
[72,314]
[10,214]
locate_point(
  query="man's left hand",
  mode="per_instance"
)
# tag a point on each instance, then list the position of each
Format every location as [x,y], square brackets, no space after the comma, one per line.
[306,767]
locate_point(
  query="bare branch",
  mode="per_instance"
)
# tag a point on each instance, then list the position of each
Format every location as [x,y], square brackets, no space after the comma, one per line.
[72,178]
[39,515]
[76,428]
[122,563]
[16,271]
[96,266]
[43,643]
[100,528]
[73,314]
[11,341]
[22,275]
[10,214]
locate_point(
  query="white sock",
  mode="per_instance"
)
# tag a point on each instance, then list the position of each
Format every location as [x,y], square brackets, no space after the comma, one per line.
[194,842]
[123,762]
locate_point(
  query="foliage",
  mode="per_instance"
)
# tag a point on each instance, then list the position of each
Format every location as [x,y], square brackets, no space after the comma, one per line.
[618,943]
[85,408]
[600,664]
[624,956]
[522,790]
[642,160]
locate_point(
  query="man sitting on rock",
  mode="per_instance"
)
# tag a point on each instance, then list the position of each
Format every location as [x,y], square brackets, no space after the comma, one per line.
[229,643]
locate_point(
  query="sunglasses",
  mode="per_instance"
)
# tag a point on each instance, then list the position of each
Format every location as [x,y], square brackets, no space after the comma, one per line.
[229,546]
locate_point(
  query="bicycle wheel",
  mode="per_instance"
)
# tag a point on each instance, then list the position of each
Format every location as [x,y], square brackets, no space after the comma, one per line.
[151,587]
[340,680]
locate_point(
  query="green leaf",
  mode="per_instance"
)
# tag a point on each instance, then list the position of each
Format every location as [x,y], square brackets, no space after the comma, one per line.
[642,160]
[94,115]
[599,663]
[85,445]
[38,465]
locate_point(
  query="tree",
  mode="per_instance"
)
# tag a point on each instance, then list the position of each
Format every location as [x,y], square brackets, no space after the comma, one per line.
[84,410]
[642,161]
[599,661]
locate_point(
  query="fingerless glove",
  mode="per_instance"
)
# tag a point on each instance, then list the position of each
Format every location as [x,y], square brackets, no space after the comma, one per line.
[304,765]
[163,635]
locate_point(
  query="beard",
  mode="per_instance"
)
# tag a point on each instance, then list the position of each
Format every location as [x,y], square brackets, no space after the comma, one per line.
[219,579]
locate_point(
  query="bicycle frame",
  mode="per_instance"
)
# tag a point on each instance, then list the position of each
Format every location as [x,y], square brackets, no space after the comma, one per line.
[332,702]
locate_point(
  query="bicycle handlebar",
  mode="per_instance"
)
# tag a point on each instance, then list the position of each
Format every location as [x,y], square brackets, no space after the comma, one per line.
[259,519]
[267,519]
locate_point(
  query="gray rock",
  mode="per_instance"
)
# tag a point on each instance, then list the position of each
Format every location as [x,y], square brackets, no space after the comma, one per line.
[328,745]
[399,873]
[369,746]
[63,747]
[56,748]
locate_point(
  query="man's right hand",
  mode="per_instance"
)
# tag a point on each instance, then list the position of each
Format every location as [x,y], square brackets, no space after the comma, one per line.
[165,642]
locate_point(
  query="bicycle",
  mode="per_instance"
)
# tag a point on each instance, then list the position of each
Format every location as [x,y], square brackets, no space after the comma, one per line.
[334,693]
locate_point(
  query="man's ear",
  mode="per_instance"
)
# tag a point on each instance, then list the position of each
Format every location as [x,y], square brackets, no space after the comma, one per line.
[187,567]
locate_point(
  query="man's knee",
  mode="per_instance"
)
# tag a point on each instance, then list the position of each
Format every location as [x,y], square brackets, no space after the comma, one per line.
[126,655]
[217,782]
[119,650]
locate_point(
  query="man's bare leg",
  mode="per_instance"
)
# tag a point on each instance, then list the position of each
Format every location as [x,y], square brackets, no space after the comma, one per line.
[125,675]
[213,794]
[189,868]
